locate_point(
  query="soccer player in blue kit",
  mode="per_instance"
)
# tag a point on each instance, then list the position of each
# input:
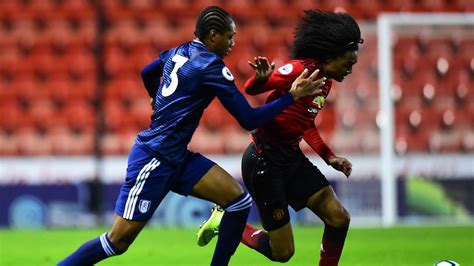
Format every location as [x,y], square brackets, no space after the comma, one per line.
[182,82]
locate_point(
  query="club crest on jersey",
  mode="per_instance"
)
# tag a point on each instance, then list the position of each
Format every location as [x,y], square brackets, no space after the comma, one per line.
[226,73]
[278,214]
[286,69]
[144,206]
[319,101]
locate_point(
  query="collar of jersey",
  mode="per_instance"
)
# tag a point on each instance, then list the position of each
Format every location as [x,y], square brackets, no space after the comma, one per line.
[198,41]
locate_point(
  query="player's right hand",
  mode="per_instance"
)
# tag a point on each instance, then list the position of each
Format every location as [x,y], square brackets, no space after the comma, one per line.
[307,86]
[263,68]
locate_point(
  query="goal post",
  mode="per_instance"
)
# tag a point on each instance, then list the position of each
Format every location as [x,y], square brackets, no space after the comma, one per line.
[386,23]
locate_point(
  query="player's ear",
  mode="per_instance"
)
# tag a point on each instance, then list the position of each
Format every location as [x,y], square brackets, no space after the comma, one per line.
[212,35]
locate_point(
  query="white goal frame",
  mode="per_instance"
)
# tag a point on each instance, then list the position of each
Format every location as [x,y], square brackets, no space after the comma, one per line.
[385,25]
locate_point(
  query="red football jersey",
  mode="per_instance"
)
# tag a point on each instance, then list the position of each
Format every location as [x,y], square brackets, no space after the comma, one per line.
[297,120]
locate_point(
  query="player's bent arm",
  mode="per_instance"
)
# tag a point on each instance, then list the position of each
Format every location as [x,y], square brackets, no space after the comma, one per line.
[274,82]
[316,142]
[219,79]
[249,117]
[254,87]
[152,73]
[280,79]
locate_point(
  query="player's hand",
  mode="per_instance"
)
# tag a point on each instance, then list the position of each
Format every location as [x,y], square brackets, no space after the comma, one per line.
[341,164]
[263,68]
[152,103]
[307,86]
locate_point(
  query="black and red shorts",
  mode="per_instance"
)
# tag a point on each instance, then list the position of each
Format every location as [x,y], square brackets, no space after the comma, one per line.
[276,180]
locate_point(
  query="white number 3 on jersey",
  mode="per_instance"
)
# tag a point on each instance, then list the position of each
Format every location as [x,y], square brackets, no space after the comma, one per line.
[179,60]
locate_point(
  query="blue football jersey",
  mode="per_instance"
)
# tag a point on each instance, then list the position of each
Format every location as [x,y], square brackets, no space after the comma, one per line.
[183,81]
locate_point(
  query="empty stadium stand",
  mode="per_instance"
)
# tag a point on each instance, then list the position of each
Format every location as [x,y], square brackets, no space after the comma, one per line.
[70,83]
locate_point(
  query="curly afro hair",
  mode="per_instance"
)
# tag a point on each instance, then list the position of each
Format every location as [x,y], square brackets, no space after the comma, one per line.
[324,35]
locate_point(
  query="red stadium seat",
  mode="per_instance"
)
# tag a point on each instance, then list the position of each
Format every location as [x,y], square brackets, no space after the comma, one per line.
[80,115]
[141,111]
[13,117]
[30,142]
[68,142]
[446,141]
[347,141]
[468,141]
[157,32]
[8,144]
[207,141]
[49,74]
[117,144]
[125,88]
[236,139]
[242,10]
[277,10]
[110,144]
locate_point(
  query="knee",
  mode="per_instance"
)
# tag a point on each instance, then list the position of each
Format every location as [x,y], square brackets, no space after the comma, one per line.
[283,255]
[340,219]
[120,243]
[231,194]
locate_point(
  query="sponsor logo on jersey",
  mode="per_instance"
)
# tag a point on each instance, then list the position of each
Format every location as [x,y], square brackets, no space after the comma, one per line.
[286,69]
[144,206]
[313,110]
[226,73]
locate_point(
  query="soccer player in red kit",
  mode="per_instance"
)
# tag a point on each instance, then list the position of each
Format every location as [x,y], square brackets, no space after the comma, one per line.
[274,169]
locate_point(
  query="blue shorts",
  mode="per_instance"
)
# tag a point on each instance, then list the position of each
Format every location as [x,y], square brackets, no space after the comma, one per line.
[148,180]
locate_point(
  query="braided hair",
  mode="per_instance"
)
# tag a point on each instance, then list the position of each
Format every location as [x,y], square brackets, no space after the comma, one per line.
[325,35]
[212,18]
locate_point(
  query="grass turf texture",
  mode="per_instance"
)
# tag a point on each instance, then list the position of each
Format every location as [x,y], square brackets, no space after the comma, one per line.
[160,246]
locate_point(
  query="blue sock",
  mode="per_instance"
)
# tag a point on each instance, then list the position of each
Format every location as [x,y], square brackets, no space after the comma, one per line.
[231,228]
[90,252]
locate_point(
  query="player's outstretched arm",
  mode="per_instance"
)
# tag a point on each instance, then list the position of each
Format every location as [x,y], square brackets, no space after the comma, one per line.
[307,86]
[251,118]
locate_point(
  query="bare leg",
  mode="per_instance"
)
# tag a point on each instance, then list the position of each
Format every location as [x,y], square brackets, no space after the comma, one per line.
[124,232]
[277,245]
[219,187]
[328,207]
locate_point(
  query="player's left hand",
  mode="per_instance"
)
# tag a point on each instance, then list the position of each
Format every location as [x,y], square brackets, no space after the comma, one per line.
[341,164]
[263,68]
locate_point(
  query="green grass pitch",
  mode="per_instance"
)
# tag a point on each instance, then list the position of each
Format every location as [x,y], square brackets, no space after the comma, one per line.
[165,246]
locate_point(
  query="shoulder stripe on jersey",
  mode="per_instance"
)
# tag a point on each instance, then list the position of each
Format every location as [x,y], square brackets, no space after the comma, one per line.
[137,188]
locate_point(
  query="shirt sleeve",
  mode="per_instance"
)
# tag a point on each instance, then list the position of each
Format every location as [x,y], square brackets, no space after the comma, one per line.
[314,140]
[151,74]
[281,79]
[219,79]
